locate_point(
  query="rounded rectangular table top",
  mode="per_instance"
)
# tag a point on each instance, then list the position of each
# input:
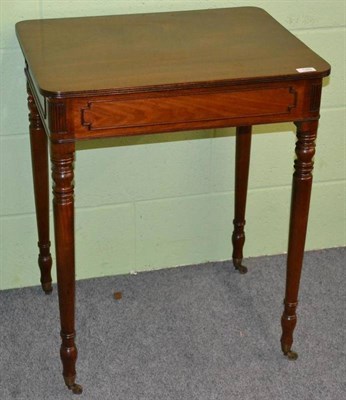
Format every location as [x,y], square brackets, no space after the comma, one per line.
[162,51]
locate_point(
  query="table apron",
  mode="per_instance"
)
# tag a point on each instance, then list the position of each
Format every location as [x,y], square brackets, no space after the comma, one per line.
[127,115]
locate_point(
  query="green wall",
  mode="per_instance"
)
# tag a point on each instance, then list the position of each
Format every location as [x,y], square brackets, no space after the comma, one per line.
[160,201]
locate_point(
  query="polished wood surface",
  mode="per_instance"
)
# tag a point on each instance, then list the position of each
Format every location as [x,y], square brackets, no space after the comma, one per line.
[191,48]
[301,191]
[114,76]
[242,164]
[39,157]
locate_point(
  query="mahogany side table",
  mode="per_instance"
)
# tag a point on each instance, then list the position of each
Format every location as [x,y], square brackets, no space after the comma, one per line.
[97,77]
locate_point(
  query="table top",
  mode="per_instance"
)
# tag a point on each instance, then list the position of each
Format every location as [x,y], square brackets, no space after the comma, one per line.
[162,51]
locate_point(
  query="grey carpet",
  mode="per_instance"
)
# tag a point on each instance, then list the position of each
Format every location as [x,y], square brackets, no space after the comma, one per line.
[192,333]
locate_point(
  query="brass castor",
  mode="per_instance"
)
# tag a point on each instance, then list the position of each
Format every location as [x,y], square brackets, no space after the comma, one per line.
[239,267]
[47,287]
[242,269]
[74,387]
[291,355]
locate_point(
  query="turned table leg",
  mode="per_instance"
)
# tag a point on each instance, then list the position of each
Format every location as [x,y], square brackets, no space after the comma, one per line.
[243,146]
[39,159]
[62,157]
[301,190]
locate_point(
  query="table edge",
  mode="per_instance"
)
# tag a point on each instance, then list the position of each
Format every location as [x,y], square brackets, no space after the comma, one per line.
[182,86]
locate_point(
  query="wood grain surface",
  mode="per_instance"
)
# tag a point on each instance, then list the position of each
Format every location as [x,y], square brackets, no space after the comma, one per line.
[146,51]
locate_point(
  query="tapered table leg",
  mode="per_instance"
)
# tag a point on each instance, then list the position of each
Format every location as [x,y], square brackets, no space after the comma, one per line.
[62,157]
[301,190]
[39,158]
[243,146]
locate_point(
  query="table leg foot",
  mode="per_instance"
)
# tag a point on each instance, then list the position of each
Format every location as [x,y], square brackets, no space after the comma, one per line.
[239,266]
[47,287]
[45,264]
[72,385]
[290,354]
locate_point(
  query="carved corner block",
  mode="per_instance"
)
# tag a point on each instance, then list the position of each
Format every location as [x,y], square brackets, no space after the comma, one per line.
[58,121]
[315,97]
